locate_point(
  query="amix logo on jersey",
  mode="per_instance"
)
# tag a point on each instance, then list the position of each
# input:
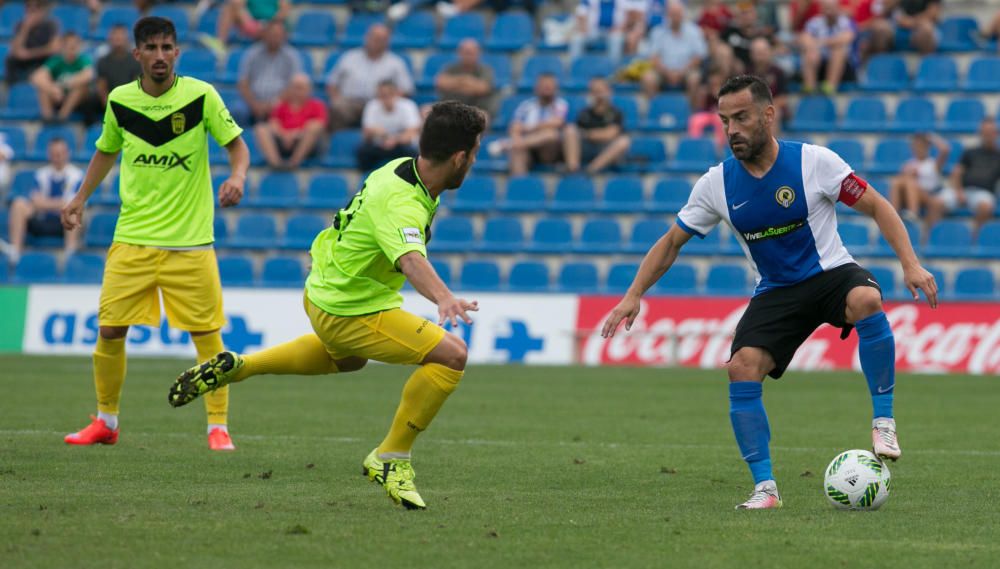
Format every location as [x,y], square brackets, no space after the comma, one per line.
[771,232]
[165,162]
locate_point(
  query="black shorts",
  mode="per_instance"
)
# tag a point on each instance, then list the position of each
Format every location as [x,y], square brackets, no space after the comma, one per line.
[779,320]
[45,225]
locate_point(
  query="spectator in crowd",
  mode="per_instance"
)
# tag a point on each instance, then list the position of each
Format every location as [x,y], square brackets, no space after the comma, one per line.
[6,157]
[118,66]
[920,179]
[297,123]
[678,48]
[38,213]
[762,65]
[390,126]
[598,138]
[715,17]
[468,80]
[742,30]
[827,49]
[36,38]
[622,23]
[704,101]
[399,10]
[356,77]
[973,182]
[63,82]
[251,17]
[917,22]
[535,131]
[265,70]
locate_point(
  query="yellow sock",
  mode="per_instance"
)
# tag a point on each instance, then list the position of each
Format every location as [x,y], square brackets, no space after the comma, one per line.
[304,355]
[216,402]
[423,395]
[109,373]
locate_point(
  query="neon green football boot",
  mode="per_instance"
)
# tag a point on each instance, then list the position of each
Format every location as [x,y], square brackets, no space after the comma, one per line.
[396,476]
[204,377]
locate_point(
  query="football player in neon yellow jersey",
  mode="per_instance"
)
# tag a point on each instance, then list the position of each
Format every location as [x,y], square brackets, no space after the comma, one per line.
[163,240]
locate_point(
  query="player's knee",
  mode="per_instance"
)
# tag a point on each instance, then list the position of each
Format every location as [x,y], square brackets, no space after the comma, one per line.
[862,302]
[113,332]
[748,364]
[454,353]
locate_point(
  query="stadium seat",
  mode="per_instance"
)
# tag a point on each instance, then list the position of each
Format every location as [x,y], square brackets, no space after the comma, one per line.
[552,235]
[600,235]
[681,278]
[177,15]
[963,116]
[505,113]
[315,28]
[855,237]
[4,271]
[433,65]
[255,231]
[936,73]
[15,138]
[357,25]
[300,230]
[276,190]
[511,31]
[502,69]
[453,234]
[620,276]
[10,14]
[574,194]
[851,150]
[710,244]
[622,194]
[975,284]
[477,194]
[480,275]
[726,280]
[76,19]
[22,104]
[577,277]
[814,114]
[890,155]
[113,15]
[988,240]
[417,30]
[22,185]
[669,195]
[524,194]
[983,75]
[199,63]
[86,151]
[864,114]
[84,268]
[586,67]
[886,72]
[40,148]
[886,279]
[326,191]
[693,155]
[236,271]
[645,154]
[959,33]
[286,272]
[464,25]
[644,234]
[343,145]
[630,110]
[231,71]
[915,114]
[220,229]
[528,276]
[537,65]
[502,234]
[882,247]
[36,268]
[667,112]
[101,229]
[949,238]
[443,270]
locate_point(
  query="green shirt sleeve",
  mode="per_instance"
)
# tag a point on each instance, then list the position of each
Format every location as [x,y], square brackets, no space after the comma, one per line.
[111,138]
[53,64]
[401,228]
[218,120]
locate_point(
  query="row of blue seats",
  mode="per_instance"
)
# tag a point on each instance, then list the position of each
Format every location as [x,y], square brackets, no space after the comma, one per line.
[935,73]
[869,114]
[524,276]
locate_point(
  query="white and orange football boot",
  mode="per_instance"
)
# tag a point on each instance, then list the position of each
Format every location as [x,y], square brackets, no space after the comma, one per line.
[885,445]
[218,439]
[96,433]
[764,496]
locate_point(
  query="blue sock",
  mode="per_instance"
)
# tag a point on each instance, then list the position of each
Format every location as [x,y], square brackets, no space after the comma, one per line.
[746,411]
[877,351]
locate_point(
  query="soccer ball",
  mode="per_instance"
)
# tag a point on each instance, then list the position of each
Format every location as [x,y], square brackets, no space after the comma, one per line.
[857,480]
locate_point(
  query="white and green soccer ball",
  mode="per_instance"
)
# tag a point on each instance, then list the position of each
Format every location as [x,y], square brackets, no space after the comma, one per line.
[857,480]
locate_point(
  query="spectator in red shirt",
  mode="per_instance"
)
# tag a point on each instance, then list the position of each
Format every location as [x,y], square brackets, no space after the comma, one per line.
[295,127]
[714,18]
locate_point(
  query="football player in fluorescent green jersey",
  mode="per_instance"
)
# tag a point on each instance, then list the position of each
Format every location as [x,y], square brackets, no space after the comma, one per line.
[352,298]
[160,124]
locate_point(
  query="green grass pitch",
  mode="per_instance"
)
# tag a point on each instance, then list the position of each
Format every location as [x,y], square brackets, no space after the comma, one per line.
[524,467]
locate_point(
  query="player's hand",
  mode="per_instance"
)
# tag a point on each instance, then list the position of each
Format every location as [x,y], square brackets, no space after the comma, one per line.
[919,278]
[72,214]
[627,309]
[452,309]
[231,191]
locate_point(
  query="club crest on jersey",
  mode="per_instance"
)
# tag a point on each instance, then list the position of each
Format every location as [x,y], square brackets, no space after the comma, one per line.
[177,121]
[785,196]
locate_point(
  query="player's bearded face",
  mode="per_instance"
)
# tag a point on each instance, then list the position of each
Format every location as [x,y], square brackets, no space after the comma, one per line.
[749,145]
[458,175]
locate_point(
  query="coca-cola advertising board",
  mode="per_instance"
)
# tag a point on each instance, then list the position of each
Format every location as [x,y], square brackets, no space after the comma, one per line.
[697,332]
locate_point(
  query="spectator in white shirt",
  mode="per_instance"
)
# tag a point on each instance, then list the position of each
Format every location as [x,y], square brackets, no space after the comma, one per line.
[536,129]
[827,45]
[678,48]
[6,157]
[622,23]
[390,126]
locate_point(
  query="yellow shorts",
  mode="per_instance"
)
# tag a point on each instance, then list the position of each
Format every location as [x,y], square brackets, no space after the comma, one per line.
[134,277]
[391,336]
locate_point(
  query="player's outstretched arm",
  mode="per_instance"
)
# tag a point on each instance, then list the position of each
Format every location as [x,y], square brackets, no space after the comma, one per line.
[100,164]
[231,191]
[426,281]
[656,262]
[889,223]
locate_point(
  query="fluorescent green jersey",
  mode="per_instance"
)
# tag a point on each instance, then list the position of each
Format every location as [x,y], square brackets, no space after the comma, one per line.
[166,186]
[354,262]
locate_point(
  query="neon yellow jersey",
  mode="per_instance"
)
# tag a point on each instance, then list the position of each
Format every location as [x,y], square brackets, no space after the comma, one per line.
[354,262]
[165,182]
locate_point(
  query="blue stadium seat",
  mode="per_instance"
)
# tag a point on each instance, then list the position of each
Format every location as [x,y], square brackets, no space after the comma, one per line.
[480,275]
[199,63]
[502,234]
[231,71]
[983,75]
[886,72]
[433,65]
[15,138]
[417,30]
[284,272]
[528,276]
[22,104]
[177,15]
[22,185]
[667,112]
[574,194]
[36,268]
[890,155]
[914,114]
[882,247]
[326,191]
[220,229]
[949,238]
[575,102]
[600,235]
[622,194]
[645,154]
[814,114]
[524,194]
[209,23]
[10,14]
[670,195]
[537,65]
[988,240]
[86,151]
[620,276]
[710,244]
[886,279]
[276,190]
[40,148]
[630,110]
[315,28]
[586,67]
[552,235]
[936,73]
[506,112]
[300,230]
[644,234]
[975,284]
[113,15]
[255,231]
[959,33]
[963,116]
[236,271]
[343,144]
[443,270]
[4,52]
[577,277]
[726,280]
[464,25]
[452,234]
[84,268]
[357,25]
[511,31]
[693,155]
[864,114]
[502,70]
[478,193]
[851,150]
[855,236]
[101,229]
[76,19]
[682,278]
[4,271]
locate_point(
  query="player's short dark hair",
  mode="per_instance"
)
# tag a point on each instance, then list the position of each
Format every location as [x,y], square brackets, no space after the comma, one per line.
[152,26]
[449,128]
[759,90]
[58,140]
